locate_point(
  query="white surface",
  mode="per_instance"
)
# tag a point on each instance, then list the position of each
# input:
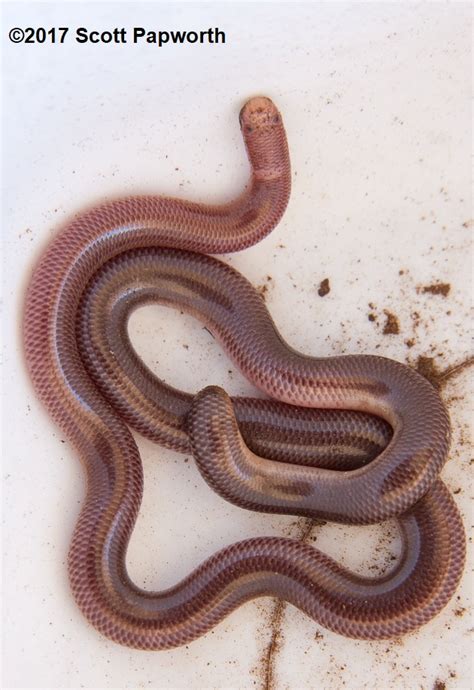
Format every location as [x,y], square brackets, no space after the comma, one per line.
[375,99]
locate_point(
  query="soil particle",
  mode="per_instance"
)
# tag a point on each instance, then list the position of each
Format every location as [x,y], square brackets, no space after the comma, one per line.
[439,685]
[324,287]
[460,612]
[263,288]
[436,289]
[274,645]
[426,367]
[392,325]
[268,660]
[416,318]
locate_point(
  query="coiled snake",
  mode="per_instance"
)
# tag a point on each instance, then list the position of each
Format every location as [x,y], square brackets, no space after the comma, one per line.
[314,448]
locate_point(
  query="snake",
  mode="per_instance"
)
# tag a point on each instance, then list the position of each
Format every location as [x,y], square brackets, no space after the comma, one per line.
[356,439]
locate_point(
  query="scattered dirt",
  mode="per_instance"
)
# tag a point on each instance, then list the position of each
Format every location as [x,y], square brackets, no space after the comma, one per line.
[392,325]
[324,287]
[264,287]
[267,662]
[435,289]
[27,231]
[438,377]
[460,611]
[427,367]
[416,319]
[273,646]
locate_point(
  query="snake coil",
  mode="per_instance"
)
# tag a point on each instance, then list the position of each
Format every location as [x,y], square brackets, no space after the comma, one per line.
[356,439]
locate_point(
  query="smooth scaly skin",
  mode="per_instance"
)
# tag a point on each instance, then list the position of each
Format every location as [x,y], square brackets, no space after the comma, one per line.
[236,314]
[206,288]
[433,537]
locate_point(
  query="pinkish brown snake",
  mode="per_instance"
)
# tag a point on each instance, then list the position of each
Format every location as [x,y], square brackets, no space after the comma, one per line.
[356,439]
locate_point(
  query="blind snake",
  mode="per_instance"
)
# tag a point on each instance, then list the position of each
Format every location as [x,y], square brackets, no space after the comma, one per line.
[356,439]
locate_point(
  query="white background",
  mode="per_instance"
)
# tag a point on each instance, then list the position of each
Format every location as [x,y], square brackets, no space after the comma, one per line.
[375,99]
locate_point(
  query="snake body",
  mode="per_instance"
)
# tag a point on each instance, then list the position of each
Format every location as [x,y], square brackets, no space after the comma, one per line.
[355,439]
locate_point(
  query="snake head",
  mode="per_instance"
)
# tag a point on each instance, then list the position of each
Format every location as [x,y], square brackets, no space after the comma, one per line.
[259,113]
[264,136]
